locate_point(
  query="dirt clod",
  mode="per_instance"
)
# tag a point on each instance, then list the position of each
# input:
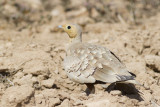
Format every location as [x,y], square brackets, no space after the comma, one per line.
[32,50]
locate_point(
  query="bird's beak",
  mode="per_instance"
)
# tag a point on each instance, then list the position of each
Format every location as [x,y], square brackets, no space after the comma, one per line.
[60,26]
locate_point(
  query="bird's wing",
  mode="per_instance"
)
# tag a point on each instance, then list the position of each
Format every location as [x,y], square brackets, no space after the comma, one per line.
[100,63]
[73,67]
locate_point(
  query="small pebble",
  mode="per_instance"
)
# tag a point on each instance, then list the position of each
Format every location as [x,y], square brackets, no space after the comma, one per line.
[116,92]
[48,83]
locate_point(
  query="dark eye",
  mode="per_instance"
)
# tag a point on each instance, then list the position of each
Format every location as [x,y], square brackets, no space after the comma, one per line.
[69,27]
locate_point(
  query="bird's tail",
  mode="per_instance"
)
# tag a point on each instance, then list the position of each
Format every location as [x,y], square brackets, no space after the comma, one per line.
[133,82]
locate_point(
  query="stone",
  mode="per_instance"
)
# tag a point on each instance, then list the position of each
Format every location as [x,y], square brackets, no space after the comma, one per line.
[48,83]
[116,92]
[100,103]
[13,96]
[54,101]
[65,103]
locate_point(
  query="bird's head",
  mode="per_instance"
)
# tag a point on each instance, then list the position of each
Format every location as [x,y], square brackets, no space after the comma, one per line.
[74,31]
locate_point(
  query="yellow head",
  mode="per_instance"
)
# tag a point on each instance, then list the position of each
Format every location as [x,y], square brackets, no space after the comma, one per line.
[74,31]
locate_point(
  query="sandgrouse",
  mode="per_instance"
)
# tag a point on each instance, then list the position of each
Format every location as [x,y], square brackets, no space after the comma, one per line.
[90,64]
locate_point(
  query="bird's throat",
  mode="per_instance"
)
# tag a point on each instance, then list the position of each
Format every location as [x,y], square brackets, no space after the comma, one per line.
[75,40]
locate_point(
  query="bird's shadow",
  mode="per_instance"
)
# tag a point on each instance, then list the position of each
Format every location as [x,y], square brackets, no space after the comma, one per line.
[128,90]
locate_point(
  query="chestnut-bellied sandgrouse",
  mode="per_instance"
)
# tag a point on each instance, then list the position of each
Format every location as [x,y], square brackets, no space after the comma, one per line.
[89,63]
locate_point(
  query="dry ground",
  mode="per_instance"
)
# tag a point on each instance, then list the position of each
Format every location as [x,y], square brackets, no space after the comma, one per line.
[32,50]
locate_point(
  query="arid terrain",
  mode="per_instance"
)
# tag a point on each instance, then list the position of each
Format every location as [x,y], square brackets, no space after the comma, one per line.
[32,50]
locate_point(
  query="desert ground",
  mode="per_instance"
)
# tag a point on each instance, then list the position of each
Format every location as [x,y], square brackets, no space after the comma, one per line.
[32,50]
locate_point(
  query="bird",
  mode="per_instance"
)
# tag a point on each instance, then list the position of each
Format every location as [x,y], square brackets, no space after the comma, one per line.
[88,64]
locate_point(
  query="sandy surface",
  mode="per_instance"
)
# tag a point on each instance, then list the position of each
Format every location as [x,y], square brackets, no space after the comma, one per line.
[32,50]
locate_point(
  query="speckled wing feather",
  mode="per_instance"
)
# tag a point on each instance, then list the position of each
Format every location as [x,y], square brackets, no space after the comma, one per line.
[86,63]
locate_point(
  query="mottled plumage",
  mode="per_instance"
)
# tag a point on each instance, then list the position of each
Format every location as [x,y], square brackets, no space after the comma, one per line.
[88,63]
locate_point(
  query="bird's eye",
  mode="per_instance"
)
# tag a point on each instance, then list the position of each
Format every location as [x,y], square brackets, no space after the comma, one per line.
[69,27]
